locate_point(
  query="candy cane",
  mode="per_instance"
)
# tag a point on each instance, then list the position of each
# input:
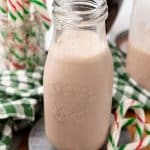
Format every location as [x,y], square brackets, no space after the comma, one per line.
[3,6]
[20,12]
[26,8]
[11,11]
[40,6]
[17,60]
[19,36]
[139,121]
[18,43]
[18,50]
[15,11]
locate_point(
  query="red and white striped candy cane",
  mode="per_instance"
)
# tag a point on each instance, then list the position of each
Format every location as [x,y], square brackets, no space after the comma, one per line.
[119,122]
[40,6]
[15,11]
[20,12]
[12,16]
[3,6]
[17,58]
[26,8]
[17,48]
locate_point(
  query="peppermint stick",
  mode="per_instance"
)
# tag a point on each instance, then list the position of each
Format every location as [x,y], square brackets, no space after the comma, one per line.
[24,4]
[11,11]
[3,6]
[21,47]
[120,122]
[33,46]
[18,50]
[15,11]
[17,57]
[20,12]
[19,37]
[40,6]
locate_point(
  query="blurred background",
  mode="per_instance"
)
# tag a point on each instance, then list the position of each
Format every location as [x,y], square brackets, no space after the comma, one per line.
[113,6]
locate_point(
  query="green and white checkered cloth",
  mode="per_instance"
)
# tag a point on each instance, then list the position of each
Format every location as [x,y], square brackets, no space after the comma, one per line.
[21,92]
[124,86]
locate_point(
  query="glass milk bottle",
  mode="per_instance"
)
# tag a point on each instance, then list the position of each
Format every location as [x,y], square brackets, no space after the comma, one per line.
[78,76]
[138,56]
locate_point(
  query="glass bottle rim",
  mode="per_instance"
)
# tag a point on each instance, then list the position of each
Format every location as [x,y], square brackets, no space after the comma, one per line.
[73,12]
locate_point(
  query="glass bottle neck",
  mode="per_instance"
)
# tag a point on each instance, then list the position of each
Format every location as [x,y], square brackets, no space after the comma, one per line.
[79,14]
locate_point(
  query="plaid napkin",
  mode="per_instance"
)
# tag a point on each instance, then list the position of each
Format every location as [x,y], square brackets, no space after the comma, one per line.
[124,86]
[21,92]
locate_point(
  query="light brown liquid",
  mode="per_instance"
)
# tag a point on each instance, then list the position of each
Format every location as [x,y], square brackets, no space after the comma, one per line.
[138,66]
[78,91]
